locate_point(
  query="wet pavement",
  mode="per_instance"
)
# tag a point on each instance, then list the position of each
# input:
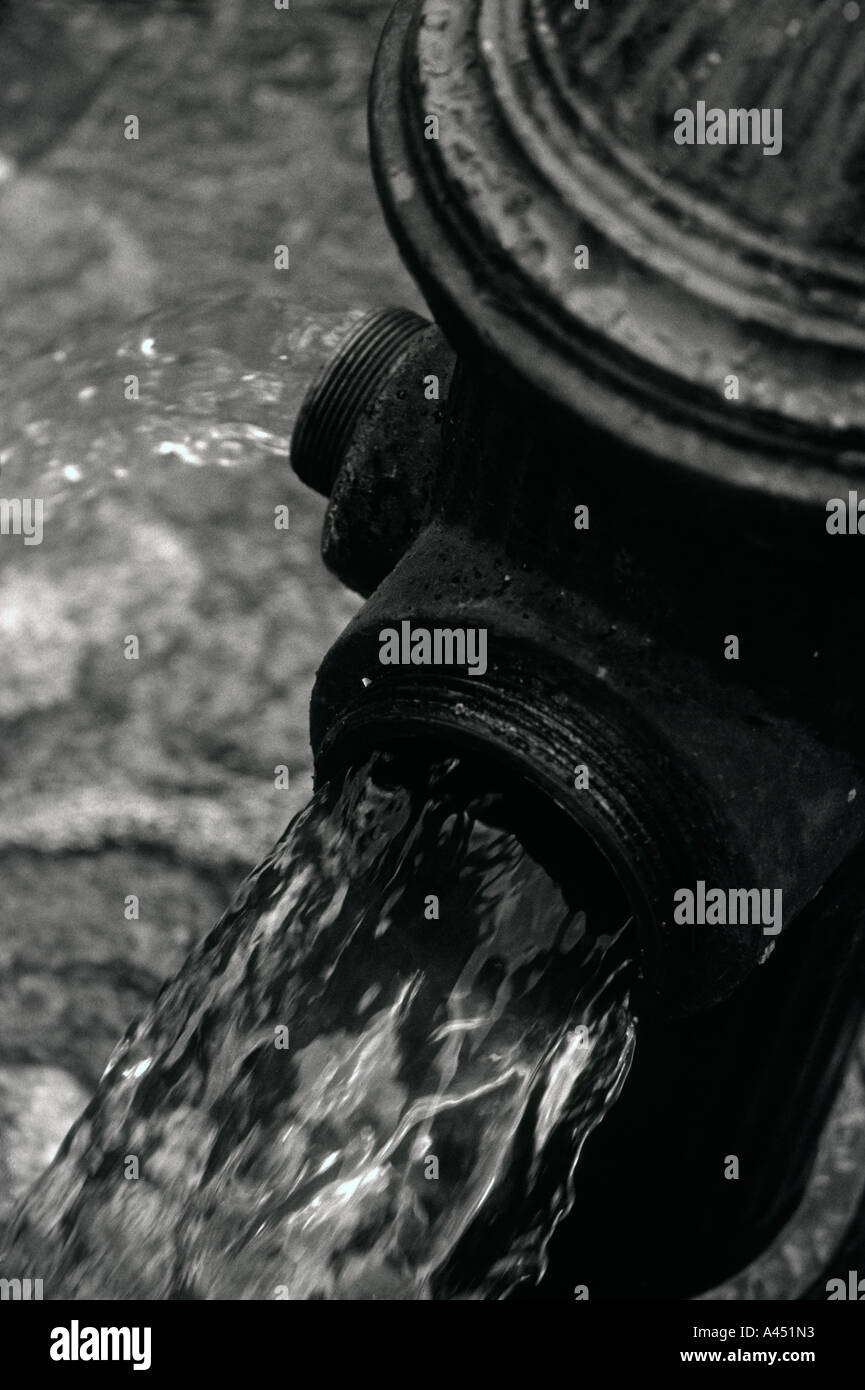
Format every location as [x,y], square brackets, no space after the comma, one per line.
[154,778]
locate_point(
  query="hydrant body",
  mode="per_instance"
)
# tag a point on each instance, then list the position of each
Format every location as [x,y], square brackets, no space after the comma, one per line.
[647,550]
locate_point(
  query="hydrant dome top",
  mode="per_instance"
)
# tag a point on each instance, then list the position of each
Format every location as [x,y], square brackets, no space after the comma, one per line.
[625,70]
[651,213]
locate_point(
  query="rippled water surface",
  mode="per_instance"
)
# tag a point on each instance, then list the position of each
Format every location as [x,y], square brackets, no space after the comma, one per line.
[209,383]
[343,1094]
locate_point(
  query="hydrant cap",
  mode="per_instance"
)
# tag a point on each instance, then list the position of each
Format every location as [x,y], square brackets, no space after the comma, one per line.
[649,213]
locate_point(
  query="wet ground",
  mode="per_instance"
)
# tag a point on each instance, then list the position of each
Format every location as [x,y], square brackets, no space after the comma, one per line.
[155,777]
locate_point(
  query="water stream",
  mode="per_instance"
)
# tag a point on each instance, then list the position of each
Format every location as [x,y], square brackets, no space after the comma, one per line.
[373,1079]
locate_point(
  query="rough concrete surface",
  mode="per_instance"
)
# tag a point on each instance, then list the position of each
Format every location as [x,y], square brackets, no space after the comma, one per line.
[154,777]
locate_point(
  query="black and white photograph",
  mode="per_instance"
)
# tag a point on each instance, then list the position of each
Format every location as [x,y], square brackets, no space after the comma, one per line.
[432,693]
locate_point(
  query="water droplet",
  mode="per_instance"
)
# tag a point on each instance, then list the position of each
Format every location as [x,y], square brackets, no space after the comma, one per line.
[138,1070]
[186,455]
[403,187]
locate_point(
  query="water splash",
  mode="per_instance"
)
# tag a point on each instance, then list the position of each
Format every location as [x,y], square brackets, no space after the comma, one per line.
[372,1080]
[214,383]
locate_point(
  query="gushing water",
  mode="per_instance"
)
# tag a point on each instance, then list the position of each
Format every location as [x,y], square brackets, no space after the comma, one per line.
[372,1080]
